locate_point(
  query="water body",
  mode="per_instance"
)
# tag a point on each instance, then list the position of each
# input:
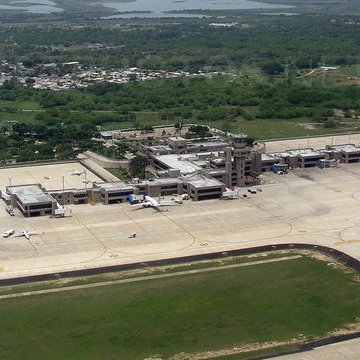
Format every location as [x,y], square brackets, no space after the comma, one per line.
[280,14]
[34,6]
[160,8]
[152,15]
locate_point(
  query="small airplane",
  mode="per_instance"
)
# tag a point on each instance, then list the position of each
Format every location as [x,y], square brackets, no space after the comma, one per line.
[77,172]
[132,236]
[8,233]
[25,233]
[149,201]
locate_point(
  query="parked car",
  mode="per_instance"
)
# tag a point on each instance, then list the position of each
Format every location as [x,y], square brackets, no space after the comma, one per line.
[10,210]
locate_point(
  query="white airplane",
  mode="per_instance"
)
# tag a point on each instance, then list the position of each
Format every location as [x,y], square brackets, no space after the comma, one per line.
[149,201]
[8,233]
[25,233]
[77,172]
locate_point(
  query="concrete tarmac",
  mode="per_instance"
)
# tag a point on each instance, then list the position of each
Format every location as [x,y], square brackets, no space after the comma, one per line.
[306,206]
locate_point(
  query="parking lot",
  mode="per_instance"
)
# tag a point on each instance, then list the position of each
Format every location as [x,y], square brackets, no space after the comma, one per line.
[306,206]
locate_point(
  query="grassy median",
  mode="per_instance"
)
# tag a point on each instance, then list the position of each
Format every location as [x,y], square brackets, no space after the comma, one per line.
[301,299]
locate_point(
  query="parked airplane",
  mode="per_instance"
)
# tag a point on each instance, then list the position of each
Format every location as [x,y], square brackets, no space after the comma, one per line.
[8,233]
[149,201]
[25,233]
[77,172]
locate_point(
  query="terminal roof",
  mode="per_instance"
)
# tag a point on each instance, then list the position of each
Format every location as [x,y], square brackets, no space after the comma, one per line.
[113,186]
[267,157]
[307,152]
[181,163]
[30,194]
[348,148]
[201,181]
[161,181]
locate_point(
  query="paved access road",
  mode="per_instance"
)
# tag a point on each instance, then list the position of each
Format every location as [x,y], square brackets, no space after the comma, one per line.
[346,350]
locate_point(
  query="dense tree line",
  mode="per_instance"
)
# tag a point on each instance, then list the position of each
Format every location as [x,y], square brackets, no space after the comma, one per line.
[277,49]
[189,99]
[27,142]
[273,43]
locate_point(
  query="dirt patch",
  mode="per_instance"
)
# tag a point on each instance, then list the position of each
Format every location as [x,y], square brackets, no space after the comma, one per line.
[266,179]
[236,350]
[246,348]
[308,126]
[347,329]
[338,113]
[351,82]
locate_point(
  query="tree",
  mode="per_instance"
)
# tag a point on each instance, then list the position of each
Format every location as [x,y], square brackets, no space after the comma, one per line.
[330,123]
[272,68]
[29,81]
[138,165]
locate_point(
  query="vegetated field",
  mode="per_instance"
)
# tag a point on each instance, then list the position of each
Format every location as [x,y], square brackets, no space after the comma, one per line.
[273,302]
[19,116]
[260,129]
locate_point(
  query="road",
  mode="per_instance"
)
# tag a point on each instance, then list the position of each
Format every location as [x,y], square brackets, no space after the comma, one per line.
[346,350]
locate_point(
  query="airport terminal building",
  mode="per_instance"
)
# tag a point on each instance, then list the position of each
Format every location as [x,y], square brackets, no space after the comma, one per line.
[203,169]
[31,200]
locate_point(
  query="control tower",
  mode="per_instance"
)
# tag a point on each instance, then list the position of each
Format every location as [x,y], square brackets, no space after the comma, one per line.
[240,153]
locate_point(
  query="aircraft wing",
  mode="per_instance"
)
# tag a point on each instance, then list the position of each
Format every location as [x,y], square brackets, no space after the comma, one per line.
[23,234]
[168,203]
[142,204]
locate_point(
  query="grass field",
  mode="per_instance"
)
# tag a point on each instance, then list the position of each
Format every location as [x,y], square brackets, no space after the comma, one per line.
[259,129]
[353,70]
[20,105]
[191,313]
[19,116]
